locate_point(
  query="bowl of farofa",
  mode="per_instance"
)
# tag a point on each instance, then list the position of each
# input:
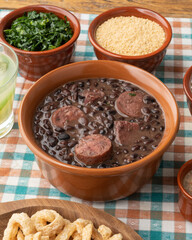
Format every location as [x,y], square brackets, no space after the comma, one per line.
[91,183]
[34,39]
[134,35]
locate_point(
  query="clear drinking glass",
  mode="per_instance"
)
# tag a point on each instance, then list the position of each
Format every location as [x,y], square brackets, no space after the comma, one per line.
[8,76]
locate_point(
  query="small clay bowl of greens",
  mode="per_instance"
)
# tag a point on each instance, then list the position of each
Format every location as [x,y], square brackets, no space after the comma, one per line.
[43,37]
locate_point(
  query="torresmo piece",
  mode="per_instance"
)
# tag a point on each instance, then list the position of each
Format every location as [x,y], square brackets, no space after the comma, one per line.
[93,149]
[130,103]
[68,115]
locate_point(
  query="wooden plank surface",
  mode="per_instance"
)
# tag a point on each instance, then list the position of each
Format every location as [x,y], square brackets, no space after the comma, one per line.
[168,8]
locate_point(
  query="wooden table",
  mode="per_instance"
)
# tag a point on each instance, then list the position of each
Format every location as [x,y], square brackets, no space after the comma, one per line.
[168,8]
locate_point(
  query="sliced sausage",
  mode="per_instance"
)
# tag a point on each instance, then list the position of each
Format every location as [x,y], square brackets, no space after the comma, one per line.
[93,149]
[92,95]
[68,115]
[130,103]
[124,132]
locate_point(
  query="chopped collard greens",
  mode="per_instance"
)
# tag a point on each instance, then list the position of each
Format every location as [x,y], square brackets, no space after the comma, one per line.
[38,31]
[132,94]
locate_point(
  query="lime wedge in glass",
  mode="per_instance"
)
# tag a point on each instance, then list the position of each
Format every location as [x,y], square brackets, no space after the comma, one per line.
[7,69]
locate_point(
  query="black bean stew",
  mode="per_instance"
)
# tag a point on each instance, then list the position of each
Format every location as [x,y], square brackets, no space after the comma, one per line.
[98,123]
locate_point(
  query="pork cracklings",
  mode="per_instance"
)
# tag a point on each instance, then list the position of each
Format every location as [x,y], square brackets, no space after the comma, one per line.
[98,123]
[48,224]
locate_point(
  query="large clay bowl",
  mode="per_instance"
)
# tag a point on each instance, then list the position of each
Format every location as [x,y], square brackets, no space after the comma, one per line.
[98,184]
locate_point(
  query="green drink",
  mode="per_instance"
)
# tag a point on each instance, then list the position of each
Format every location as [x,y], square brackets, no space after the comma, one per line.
[8,75]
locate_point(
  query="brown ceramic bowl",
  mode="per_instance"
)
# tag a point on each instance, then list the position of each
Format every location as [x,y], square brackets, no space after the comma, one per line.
[185,199]
[187,86]
[34,64]
[149,61]
[98,184]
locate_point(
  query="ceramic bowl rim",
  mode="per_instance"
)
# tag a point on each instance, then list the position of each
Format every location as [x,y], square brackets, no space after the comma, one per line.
[48,7]
[186,82]
[92,29]
[89,171]
[179,178]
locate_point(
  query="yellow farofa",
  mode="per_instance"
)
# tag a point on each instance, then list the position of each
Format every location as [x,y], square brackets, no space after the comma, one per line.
[131,36]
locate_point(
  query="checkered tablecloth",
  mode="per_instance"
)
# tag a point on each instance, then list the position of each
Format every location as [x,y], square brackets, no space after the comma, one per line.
[153,211]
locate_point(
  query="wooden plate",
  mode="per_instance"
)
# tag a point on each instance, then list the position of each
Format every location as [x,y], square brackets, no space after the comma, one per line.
[69,210]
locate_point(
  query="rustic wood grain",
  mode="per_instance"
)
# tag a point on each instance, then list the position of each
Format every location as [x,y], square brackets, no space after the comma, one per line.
[168,8]
[69,210]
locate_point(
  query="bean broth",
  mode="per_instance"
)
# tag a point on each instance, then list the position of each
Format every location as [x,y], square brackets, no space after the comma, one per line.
[100,115]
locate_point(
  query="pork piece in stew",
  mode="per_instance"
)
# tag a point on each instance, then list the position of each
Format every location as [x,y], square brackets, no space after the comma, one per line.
[98,123]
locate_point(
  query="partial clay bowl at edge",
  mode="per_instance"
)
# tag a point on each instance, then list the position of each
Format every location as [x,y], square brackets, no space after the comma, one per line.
[185,199]
[98,184]
[187,86]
